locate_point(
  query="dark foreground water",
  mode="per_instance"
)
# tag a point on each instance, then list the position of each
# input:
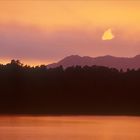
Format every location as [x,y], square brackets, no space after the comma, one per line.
[69,128]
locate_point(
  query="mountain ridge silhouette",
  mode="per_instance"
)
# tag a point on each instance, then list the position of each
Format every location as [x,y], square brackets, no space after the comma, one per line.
[107,60]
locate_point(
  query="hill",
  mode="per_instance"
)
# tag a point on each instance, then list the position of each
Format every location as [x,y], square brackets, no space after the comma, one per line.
[108,61]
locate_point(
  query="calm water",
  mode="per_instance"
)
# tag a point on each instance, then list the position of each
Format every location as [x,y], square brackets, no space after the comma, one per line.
[69,128]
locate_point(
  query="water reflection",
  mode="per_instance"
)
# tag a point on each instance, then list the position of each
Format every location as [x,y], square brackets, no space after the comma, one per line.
[69,128]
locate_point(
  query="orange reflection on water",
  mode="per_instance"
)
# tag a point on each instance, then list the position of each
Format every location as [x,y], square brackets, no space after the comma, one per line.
[70,128]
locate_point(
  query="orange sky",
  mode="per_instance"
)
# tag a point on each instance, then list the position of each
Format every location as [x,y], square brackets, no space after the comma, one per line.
[56,14]
[46,31]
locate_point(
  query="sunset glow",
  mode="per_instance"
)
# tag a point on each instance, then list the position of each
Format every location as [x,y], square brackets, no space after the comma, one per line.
[47,31]
[107,35]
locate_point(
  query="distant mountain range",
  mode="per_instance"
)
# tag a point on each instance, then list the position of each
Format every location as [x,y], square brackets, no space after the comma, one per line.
[109,61]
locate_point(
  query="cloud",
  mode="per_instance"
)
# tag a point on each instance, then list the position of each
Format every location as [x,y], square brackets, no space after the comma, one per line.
[28,42]
[108,35]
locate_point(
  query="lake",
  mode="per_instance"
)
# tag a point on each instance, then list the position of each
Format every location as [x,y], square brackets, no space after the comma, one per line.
[69,128]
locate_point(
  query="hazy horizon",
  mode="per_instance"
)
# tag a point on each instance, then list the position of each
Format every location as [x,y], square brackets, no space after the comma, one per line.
[38,63]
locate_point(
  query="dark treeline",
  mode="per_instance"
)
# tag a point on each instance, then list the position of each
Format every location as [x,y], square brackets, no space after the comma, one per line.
[73,91]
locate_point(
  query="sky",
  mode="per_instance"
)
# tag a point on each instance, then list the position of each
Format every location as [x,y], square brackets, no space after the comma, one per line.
[43,31]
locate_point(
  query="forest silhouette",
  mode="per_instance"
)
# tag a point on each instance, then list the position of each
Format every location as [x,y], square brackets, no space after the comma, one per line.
[94,90]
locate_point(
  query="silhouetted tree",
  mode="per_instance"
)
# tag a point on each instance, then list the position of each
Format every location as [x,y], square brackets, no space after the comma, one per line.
[74,90]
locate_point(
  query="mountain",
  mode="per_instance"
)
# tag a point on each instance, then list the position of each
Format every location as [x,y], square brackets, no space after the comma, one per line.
[109,61]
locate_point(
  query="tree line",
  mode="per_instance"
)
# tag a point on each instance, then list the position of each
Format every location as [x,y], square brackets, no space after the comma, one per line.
[94,90]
